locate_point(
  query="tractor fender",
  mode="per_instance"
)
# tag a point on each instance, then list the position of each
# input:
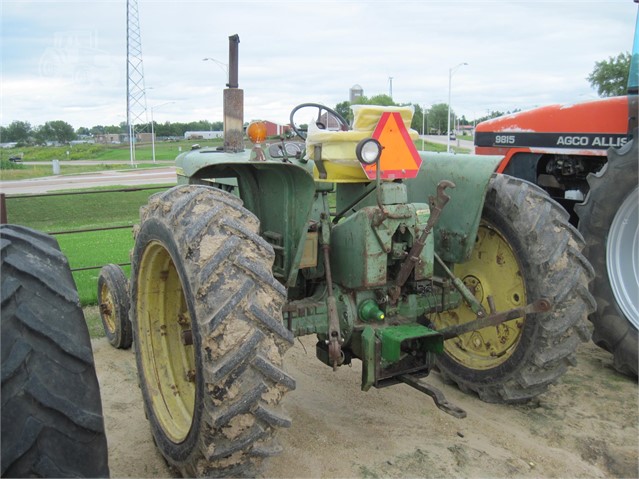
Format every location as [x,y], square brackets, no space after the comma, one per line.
[456,229]
[280,193]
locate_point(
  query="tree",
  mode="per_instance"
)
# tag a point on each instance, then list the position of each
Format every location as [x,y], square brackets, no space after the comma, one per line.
[382,99]
[344,109]
[112,129]
[610,77]
[437,118]
[418,119]
[82,131]
[18,131]
[59,131]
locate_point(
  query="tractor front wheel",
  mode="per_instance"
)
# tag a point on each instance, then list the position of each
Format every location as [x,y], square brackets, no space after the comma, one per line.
[113,301]
[206,315]
[525,250]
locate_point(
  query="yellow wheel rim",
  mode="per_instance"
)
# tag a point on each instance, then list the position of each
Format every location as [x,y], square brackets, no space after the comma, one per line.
[493,270]
[107,308]
[165,340]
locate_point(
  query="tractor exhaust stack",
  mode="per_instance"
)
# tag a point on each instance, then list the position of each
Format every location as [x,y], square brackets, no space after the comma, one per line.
[233,102]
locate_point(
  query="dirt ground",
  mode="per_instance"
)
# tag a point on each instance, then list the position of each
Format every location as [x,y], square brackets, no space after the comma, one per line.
[585,426]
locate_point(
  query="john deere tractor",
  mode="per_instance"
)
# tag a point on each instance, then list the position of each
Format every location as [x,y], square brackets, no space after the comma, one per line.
[403,260]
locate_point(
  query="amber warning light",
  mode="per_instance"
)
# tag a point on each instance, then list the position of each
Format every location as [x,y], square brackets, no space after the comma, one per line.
[256,131]
[399,157]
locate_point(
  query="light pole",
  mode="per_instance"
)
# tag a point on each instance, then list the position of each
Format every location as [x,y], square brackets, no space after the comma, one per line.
[424,125]
[222,65]
[153,128]
[423,133]
[450,80]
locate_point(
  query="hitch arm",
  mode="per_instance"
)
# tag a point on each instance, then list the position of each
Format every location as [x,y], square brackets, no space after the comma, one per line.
[438,397]
[541,305]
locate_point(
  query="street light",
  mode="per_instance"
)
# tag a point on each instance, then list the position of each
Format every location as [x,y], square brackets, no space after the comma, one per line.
[153,129]
[450,78]
[222,65]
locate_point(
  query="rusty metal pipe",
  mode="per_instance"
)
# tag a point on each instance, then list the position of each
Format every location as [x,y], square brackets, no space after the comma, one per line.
[233,102]
[234,41]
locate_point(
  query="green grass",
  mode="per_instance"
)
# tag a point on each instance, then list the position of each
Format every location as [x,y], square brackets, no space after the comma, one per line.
[95,248]
[438,147]
[38,171]
[164,150]
[64,212]
[94,323]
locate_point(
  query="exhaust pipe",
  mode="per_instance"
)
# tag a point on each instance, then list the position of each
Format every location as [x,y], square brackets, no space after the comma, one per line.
[233,102]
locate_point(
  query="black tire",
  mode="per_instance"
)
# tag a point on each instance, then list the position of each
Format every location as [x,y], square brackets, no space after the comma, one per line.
[527,354]
[52,424]
[201,282]
[113,301]
[613,185]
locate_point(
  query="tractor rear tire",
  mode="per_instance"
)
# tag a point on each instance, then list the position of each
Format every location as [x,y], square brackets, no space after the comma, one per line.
[525,250]
[609,222]
[52,424]
[208,332]
[113,301]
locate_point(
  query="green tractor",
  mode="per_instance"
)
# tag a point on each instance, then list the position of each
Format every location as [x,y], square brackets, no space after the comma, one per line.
[406,261]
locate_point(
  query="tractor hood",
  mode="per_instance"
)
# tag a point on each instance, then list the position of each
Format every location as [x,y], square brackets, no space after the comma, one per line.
[595,124]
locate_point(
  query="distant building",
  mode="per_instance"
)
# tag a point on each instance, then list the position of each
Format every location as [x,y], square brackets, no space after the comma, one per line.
[203,135]
[109,138]
[275,129]
[144,137]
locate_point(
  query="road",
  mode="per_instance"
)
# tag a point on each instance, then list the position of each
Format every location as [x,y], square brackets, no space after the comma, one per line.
[87,180]
[443,140]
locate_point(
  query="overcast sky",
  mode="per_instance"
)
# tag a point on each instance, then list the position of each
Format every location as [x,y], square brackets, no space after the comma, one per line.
[67,60]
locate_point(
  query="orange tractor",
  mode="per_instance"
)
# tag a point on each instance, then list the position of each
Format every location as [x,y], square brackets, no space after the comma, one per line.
[586,158]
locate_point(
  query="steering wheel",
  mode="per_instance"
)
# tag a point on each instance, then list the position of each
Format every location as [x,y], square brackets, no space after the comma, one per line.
[322,122]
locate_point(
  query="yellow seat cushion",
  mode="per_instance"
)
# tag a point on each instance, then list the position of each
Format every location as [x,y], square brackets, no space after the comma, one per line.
[338,147]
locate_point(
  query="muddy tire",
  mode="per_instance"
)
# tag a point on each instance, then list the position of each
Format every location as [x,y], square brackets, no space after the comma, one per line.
[525,250]
[208,333]
[608,220]
[113,301]
[52,424]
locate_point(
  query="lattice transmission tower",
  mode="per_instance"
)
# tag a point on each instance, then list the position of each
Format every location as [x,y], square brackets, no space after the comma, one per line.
[135,88]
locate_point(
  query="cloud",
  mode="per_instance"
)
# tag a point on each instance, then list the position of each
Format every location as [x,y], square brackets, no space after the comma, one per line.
[67,60]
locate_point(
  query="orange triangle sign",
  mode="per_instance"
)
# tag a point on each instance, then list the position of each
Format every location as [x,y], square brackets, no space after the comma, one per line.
[399,158]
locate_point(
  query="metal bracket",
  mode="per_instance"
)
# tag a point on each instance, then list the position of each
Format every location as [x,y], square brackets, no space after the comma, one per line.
[438,397]
[319,163]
